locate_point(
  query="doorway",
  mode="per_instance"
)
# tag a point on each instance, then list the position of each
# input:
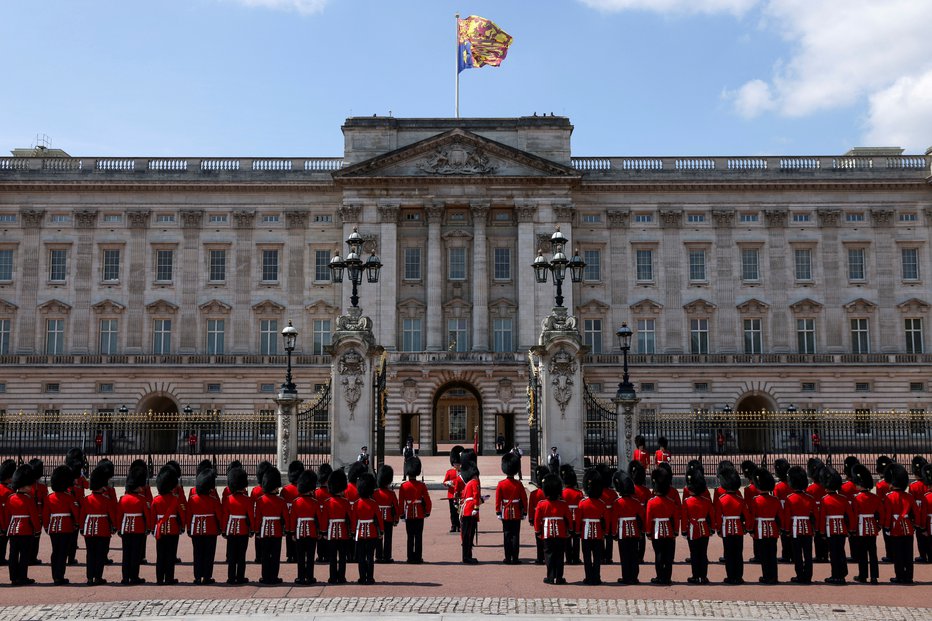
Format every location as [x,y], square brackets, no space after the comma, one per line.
[752,414]
[160,434]
[457,417]
[504,432]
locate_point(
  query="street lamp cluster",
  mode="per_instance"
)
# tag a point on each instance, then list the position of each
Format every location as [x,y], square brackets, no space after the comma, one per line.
[558,264]
[354,266]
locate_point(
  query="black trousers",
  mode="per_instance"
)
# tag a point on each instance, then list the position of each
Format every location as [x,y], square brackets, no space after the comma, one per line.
[61,543]
[204,552]
[3,542]
[73,548]
[34,549]
[339,551]
[134,547]
[20,555]
[767,557]
[511,533]
[629,554]
[837,557]
[901,554]
[820,542]
[607,546]
[786,548]
[365,559]
[572,550]
[383,549]
[97,550]
[236,557]
[864,551]
[454,515]
[468,535]
[415,530]
[801,547]
[642,548]
[923,545]
[166,551]
[699,557]
[271,558]
[664,549]
[734,556]
[258,545]
[289,548]
[539,543]
[592,560]
[554,551]
[304,550]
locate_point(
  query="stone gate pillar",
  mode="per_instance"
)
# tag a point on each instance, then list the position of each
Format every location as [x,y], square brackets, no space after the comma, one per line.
[561,388]
[286,428]
[352,374]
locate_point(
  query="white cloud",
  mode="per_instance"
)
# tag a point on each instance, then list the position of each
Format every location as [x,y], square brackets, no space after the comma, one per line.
[737,7]
[752,99]
[901,115]
[305,7]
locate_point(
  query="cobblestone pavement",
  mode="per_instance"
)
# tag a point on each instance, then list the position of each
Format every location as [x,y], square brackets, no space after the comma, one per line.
[396,607]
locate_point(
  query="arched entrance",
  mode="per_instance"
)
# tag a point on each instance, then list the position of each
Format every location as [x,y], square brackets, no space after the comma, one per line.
[457,416]
[752,411]
[161,433]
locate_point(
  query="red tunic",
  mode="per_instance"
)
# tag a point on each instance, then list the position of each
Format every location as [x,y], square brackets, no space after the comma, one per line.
[533,500]
[866,514]
[510,499]
[925,516]
[765,512]
[686,494]
[135,514]
[591,520]
[205,516]
[662,517]
[609,496]
[40,492]
[238,509]
[21,516]
[731,515]
[335,518]
[781,490]
[289,493]
[367,520]
[643,494]
[882,489]
[552,519]
[414,500]
[388,505]
[643,457]
[98,515]
[60,513]
[799,511]
[627,518]
[351,493]
[674,495]
[849,490]
[834,514]
[168,514]
[472,499]
[750,493]
[304,518]
[270,516]
[322,494]
[899,513]
[661,455]
[698,514]
[573,497]
[449,480]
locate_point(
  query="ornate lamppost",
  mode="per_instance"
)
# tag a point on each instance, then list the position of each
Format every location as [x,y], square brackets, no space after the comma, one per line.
[557,265]
[290,336]
[287,400]
[626,397]
[354,267]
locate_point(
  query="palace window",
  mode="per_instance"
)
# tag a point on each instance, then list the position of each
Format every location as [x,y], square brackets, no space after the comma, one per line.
[908,216]
[456,267]
[646,336]
[697,266]
[592,335]
[805,336]
[164,262]
[217,268]
[910,262]
[58,265]
[412,263]
[593,270]
[322,336]
[698,336]
[457,335]
[4,337]
[750,264]
[410,335]
[108,334]
[643,218]
[644,265]
[803,263]
[322,266]
[162,336]
[753,340]
[502,331]
[502,264]
[856,269]
[55,337]
[913,328]
[457,423]
[268,337]
[860,336]
[6,265]
[111,265]
[802,217]
[269,266]
[216,335]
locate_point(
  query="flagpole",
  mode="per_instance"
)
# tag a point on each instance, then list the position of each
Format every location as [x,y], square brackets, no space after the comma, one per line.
[456,68]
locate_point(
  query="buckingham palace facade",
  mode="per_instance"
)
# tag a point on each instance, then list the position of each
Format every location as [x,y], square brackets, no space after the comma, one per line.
[751,283]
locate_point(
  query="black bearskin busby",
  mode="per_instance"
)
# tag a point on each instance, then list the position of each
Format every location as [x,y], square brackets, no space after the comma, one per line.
[468,456]
[592,484]
[261,467]
[639,440]
[455,453]
[661,479]
[100,478]
[882,462]
[307,482]
[22,477]
[918,462]
[385,476]
[38,468]
[927,476]
[323,475]
[862,476]
[271,480]
[365,485]
[337,482]
[7,468]
[541,472]
[413,467]
[638,472]
[725,464]
[234,464]
[666,466]
[511,464]
[796,476]
[136,479]
[695,464]
[166,482]
[696,483]
[568,474]
[174,465]
[763,480]
[605,471]
[295,469]
[552,486]
[780,469]
[75,453]
[830,479]
[469,471]
[355,470]
[206,482]
[623,483]
[850,462]
[899,478]
[62,479]
[813,467]
[237,479]
[730,480]
[748,468]
[204,464]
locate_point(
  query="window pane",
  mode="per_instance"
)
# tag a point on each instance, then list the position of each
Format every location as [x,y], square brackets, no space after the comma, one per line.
[502,333]
[750,264]
[58,265]
[322,336]
[218,265]
[457,423]
[162,336]
[6,265]
[111,266]
[322,265]
[593,269]
[502,264]
[592,335]
[646,336]
[411,335]
[645,264]
[4,337]
[803,264]
[457,263]
[55,337]
[270,265]
[108,337]
[914,343]
[805,336]
[860,341]
[910,264]
[412,263]
[856,264]
[216,329]
[268,337]
[163,264]
[697,265]
[699,336]
[752,336]
[458,337]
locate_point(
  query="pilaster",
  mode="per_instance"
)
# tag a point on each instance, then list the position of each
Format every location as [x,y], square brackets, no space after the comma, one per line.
[29,284]
[480,289]
[244,328]
[138,221]
[778,285]
[526,251]
[435,335]
[84,221]
[387,328]
[191,221]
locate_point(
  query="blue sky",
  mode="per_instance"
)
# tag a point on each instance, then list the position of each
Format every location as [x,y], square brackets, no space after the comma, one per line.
[636,77]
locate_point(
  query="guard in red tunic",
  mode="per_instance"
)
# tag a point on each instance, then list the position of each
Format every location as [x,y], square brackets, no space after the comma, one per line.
[511,507]
[449,482]
[627,520]
[552,525]
[642,492]
[609,496]
[591,522]
[60,518]
[226,490]
[238,509]
[817,491]
[918,489]
[205,521]
[79,485]
[798,516]
[765,510]
[471,500]
[749,469]
[169,523]
[899,519]
[696,524]
[98,523]
[731,521]
[693,466]
[322,493]
[662,519]
[288,494]
[640,452]
[304,526]
[39,492]
[335,517]
[925,516]
[7,468]
[135,522]
[534,499]
[849,488]
[367,526]
[415,507]
[573,496]
[270,518]
[781,490]
[662,454]
[387,501]
[833,519]
[22,524]
[261,468]
[866,514]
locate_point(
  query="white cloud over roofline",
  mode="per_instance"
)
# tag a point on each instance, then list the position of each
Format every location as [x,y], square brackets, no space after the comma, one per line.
[305,7]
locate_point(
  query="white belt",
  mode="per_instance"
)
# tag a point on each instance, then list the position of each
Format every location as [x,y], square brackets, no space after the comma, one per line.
[199,523]
[56,520]
[590,528]
[303,528]
[863,520]
[362,529]
[551,527]
[238,518]
[385,509]
[797,520]
[661,527]
[626,526]
[833,518]
[335,528]
[14,523]
[730,518]
[692,525]
[92,519]
[266,525]
[129,520]
[760,525]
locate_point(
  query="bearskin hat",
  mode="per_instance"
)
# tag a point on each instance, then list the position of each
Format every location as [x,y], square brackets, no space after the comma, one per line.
[830,479]
[927,475]
[882,462]
[295,469]
[541,472]
[725,464]
[918,462]
[455,453]
[638,472]
[748,468]
[899,476]
[165,482]
[206,481]
[888,473]
[730,480]
[606,472]
[592,484]
[862,476]
[356,468]
[307,482]
[74,453]
[74,465]
[780,469]
[323,474]
[37,467]
[623,483]
[694,464]
[662,442]
[813,466]
[796,476]
[661,479]
[552,486]
[666,466]
[365,485]
[261,467]
[469,471]
[413,467]
[763,480]
[511,464]
[467,456]
[695,483]
[62,479]
[568,474]
[137,463]
[204,464]
[850,462]
[385,476]
[136,479]
[271,480]
[174,465]
[234,464]
[337,482]
[237,479]
[100,478]
[639,440]
[22,477]
[7,468]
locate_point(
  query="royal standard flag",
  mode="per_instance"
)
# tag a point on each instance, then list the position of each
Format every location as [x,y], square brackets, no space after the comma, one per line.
[481,43]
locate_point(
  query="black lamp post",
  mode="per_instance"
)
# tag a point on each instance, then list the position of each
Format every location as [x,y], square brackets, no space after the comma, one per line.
[626,397]
[625,388]
[188,411]
[354,266]
[290,335]
[557,265]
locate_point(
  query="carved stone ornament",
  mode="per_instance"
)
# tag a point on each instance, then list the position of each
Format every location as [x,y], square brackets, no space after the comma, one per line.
[671,218]
[353,321]
[32,218]
[349,212]
[543,241]
[558,321]
[409,391]
[352,366]
[85,218]
[388,212]
[564,212]
[776,217]
[828,217]
[525,212]
[192,218]
[618,217]
[882,217]
[562,371]
[457,158]
[723,218]
[138,218]
[506,391]
[296,218]
[243,219]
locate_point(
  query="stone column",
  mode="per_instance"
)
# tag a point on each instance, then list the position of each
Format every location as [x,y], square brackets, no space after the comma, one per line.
[724,282]
[296,251]
[243,325]
[191,220]
[676,270]
[352,375]
[84,220]
[388,275]
[561,401]
[435,332]
[781,338]
[29,287]
[627,425]
[527,250]
[833,271]
[138,221]
[617,271]
[480,288]
[885,262]
[286,429]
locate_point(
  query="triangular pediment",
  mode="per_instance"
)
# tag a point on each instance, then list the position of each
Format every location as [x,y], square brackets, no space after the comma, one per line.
[456,153]
[592,307]
[913,305]
[55,307]
[162,307]
[806,306]
[502,308]
[699,307]
[752,306]
[322,308]
[7,307]
[268,307]
[860,305]
[411,308]
[215,307]
[646,306]
[108,307]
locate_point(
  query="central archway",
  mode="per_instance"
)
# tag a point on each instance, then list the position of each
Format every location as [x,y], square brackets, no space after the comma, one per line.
[162,435]
[456,417]
[752,432]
